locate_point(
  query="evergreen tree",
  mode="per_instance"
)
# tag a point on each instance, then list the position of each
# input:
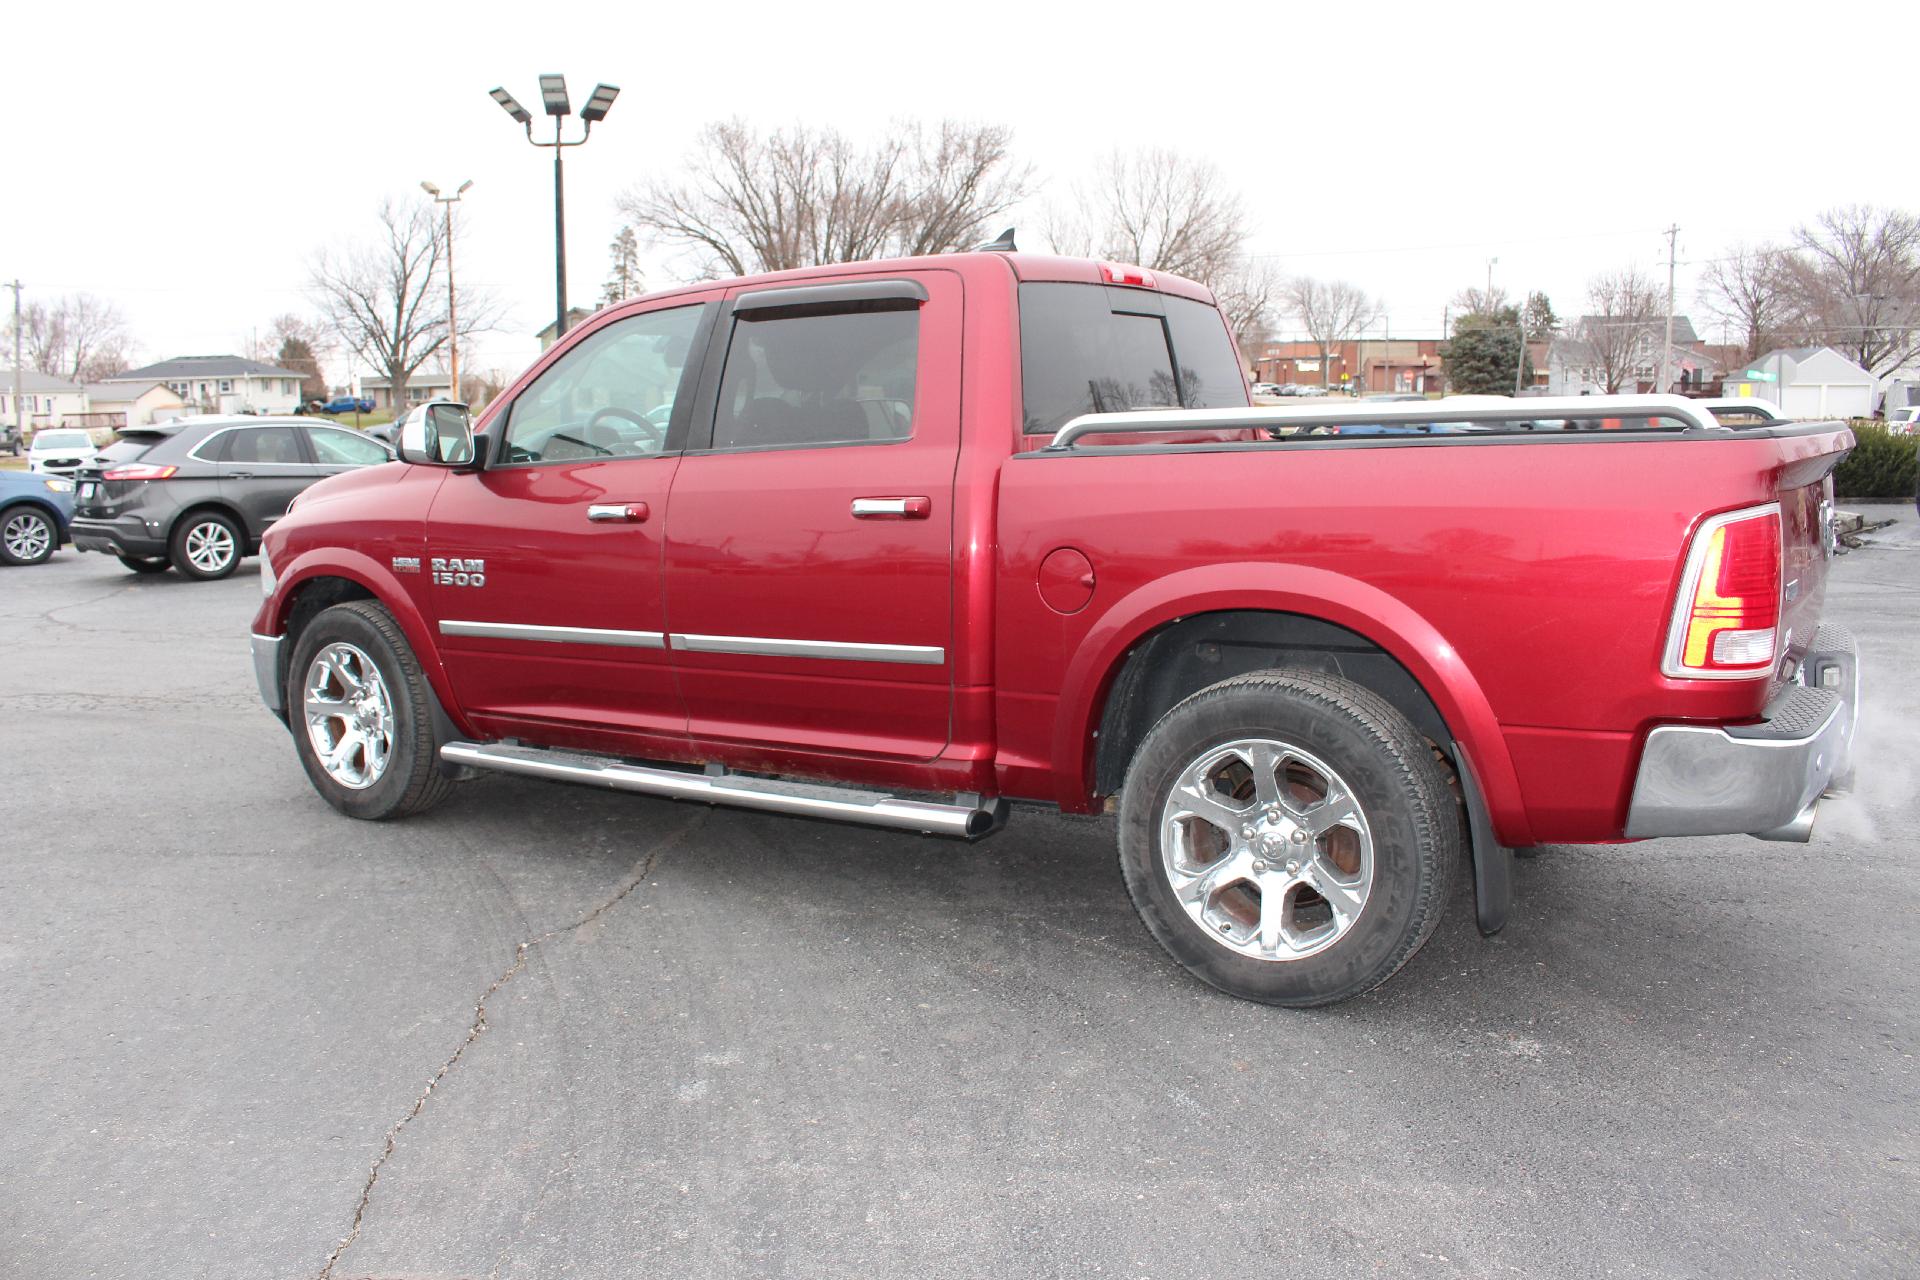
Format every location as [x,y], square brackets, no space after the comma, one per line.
[624,280]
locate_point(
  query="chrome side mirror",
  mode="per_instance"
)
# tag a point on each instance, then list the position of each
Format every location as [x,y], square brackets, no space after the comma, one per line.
[439,434]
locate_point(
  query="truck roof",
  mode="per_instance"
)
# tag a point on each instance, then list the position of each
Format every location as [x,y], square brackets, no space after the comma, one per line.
[1025,267]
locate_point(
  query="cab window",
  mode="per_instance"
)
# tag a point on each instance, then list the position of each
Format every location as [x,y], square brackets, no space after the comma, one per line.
[610,396]
[833,378]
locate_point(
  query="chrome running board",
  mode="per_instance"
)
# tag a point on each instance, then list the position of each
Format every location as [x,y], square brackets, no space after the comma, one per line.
[969,818]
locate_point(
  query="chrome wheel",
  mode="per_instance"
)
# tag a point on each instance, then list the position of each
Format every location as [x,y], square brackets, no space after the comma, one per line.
[1266,849]
[349,716]
[211,546]
[28,537]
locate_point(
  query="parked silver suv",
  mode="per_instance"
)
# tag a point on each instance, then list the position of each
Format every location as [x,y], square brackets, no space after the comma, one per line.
[197,494]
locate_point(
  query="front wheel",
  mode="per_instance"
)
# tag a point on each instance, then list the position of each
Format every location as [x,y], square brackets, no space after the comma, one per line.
[362,715]
[1288,837]
[27,536]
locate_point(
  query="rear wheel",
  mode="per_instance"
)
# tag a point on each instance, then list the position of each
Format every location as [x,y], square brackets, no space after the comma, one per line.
[362,715]
[206,545]
[27,536]
[1288,837]
[145,564]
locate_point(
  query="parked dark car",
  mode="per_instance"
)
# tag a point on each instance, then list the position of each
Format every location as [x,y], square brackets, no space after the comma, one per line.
[198,495]
[34,512]
[10,438]
[347,404]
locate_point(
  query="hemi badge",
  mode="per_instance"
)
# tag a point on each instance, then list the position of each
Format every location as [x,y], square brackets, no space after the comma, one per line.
[406,564]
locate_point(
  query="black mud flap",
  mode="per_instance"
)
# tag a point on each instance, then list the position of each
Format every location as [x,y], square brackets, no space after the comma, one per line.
[1492,861]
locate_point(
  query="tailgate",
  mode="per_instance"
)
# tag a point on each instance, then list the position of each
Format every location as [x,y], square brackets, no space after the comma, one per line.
[1804,485]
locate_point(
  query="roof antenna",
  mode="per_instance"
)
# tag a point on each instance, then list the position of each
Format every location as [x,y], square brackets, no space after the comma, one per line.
[1002,245]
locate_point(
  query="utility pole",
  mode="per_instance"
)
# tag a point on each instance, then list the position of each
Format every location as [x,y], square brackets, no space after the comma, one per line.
[1489,297]
[19,377]
[1673,265]
[1520,363]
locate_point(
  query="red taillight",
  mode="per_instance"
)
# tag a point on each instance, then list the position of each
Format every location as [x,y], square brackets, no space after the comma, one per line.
[1727,619]
[139,471]
[1119,273]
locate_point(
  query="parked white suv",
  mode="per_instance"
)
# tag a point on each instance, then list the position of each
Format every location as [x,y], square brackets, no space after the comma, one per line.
[1904,421]
[59,451]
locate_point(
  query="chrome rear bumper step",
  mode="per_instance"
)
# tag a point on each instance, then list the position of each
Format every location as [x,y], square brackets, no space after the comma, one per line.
[969,821]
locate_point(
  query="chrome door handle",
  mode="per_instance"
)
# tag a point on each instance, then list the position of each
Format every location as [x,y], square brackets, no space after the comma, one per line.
[892,508]
[633,512]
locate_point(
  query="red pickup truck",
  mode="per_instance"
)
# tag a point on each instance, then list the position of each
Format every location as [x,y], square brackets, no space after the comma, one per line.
[899,542]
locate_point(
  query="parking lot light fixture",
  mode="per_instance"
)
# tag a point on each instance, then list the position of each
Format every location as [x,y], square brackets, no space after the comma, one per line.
[513,108]
[600,102]
[553,98]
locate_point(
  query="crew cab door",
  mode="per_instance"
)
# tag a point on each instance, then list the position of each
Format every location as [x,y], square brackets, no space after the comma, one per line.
[544,568]
[809,538]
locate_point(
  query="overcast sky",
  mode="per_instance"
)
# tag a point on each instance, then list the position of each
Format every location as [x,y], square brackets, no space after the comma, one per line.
[186,160]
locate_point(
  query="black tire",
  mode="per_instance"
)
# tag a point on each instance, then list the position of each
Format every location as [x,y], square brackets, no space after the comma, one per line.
[1402,791]
[146,564]
[28,535]
[210,525]
[412,781]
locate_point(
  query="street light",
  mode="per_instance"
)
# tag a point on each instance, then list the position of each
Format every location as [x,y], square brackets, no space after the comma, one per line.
[453,311]
[554,101]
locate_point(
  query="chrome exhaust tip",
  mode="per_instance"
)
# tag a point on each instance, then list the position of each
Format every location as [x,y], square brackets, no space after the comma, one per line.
[1799,831]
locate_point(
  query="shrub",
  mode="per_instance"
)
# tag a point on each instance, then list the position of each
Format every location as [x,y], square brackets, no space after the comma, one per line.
[1882,465]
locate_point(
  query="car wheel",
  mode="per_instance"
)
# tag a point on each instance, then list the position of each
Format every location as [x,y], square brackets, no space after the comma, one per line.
[362,715]
[145,564]
[206,545]
[1288,837]
[27,536]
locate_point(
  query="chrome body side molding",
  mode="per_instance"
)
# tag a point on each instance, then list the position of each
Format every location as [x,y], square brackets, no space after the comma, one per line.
[769,647]
[566,635]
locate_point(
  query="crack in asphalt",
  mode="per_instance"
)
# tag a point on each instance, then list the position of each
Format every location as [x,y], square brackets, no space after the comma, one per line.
[635,878]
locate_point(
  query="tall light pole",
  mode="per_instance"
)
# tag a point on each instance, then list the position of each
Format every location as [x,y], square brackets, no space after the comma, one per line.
[1673,265]
[553,98]
[453,307]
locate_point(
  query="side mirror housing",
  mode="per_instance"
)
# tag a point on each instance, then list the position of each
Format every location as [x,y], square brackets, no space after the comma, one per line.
[439,434]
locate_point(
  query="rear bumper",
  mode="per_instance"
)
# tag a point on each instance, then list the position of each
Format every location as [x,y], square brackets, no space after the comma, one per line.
[1760,779]
[266,671]
[122,536]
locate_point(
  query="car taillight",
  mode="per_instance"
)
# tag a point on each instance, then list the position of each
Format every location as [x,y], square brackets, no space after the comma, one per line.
[1726,622]
[1119,273]
[139,471]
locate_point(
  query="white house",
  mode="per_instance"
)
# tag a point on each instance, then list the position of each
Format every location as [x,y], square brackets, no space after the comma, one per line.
[42,400]
[222,384]
[1807,382]
[128,404]
[424,385]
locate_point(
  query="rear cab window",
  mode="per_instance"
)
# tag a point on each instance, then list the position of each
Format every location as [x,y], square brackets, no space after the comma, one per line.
[1089,348]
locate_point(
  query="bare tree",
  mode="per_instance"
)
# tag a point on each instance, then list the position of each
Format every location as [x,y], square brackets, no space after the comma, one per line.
[1857,276]
[1159,209]
[1331,311]
[1751,289]
[1249,293]
[804,197]
[386,299]
[1622,324]
[77,337]
[1485,303]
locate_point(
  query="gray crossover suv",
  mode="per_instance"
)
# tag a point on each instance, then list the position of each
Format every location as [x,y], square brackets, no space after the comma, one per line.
[197,494]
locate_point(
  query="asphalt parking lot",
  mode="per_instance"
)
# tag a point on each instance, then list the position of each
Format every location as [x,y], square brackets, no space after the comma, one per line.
[751,1046]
